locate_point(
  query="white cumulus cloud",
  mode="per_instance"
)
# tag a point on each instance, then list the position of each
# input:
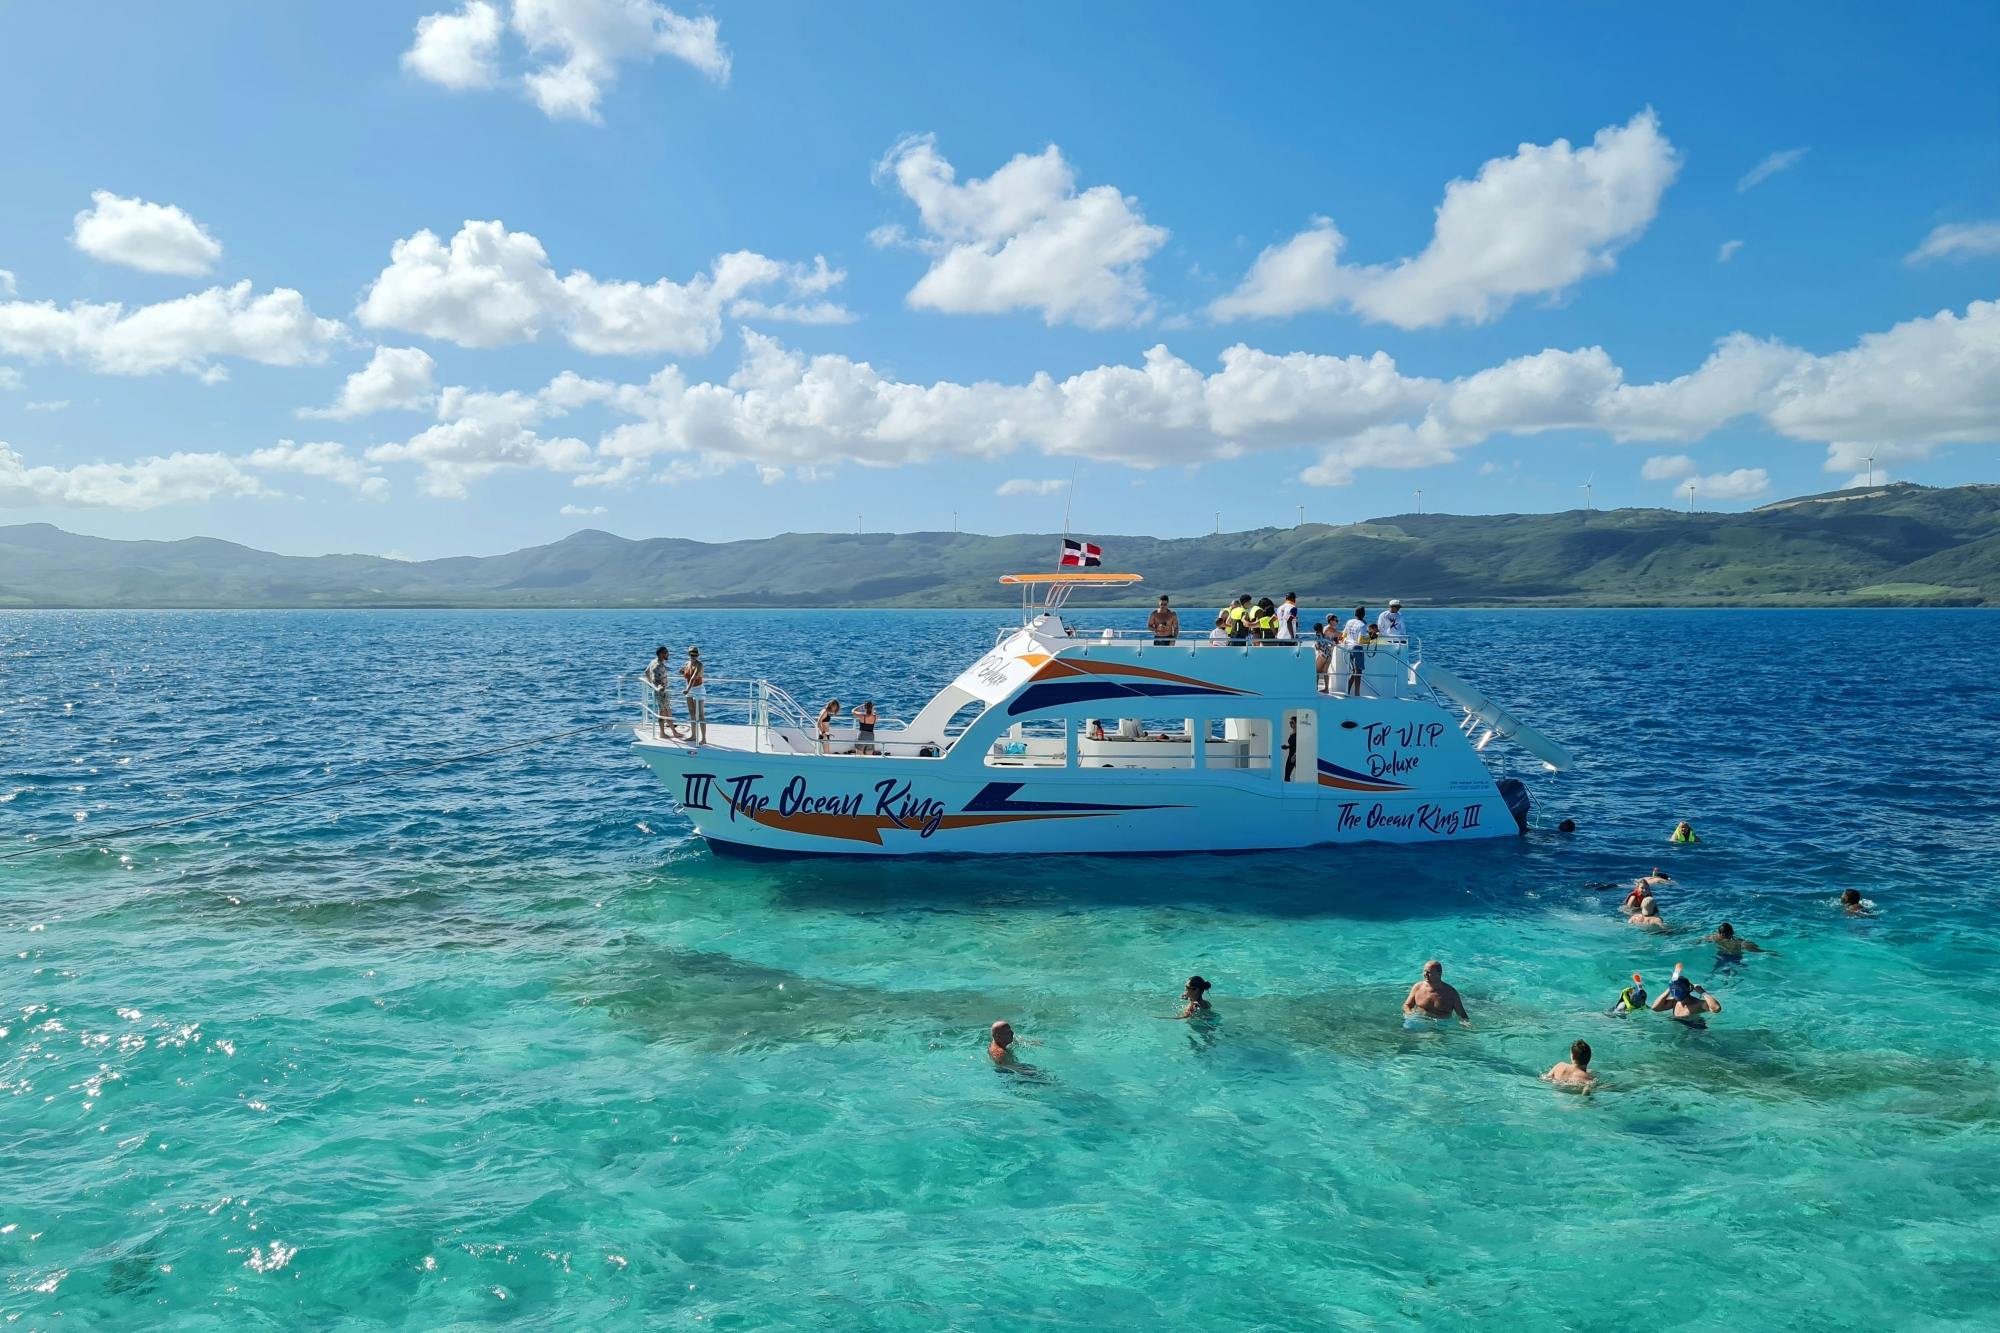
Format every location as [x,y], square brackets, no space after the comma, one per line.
[1898,394]
[490,286]
[1957,240]
[1534,224]
[1669,467]
[1784,160]
[157,238]
[1025,486]
[325,460]
[1727,251]
[457,50]
[188,333]
[147,483]
[1023,238]
[10,379]
[395,378]
[1745,483]
[582,511]
[574,48]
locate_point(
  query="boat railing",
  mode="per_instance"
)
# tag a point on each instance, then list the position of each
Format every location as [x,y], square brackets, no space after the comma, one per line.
[781,724]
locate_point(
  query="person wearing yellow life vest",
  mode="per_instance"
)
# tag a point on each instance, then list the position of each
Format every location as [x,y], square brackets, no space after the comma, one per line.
[1265,621]
[1237,616]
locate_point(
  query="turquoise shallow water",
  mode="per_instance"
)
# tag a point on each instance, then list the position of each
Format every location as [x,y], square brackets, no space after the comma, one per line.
[498,1044]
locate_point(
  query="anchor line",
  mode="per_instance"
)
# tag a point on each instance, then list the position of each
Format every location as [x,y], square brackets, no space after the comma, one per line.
[351,781]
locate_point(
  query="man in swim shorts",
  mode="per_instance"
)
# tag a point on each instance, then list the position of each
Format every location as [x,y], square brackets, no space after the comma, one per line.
[1575,1071]
[1433,997]
[1688,1002]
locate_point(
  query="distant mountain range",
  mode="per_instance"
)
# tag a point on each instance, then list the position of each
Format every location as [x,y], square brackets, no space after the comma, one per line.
[1891,545]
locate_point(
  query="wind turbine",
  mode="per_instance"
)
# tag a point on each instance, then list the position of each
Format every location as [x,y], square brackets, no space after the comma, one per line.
[1871,469]
[1690,497]
[1586,492]
[1302,515]
[1420,500]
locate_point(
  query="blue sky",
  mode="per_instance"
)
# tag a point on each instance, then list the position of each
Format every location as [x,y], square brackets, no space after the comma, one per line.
[722,273]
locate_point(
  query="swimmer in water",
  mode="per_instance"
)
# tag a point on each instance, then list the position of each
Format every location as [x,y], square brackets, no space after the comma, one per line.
[1729,945]
[1683,832]
[1575,1071]
[1195,994]
[1642,887]
[1631,999]
[1850,903]
[1434,998]
[1687,1001]
[1000,1046]
[1648,915]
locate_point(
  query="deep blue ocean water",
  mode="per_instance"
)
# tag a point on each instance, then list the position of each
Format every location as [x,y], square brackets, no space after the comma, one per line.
[497,1043]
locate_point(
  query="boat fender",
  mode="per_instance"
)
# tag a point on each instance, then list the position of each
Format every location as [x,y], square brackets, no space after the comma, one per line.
[1515,793]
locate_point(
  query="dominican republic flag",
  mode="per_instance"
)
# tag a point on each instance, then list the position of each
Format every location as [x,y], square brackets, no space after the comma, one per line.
[1081,555]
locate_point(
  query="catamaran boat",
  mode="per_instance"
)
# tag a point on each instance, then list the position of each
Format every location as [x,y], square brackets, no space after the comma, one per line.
[1066,740]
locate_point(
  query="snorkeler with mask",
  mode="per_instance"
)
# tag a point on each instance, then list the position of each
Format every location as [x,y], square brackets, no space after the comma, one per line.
[1688,1002]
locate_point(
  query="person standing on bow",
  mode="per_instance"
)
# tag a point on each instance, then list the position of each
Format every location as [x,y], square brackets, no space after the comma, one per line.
[696,680]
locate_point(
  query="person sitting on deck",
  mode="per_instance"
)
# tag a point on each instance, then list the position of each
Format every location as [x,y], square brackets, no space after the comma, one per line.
[865,718]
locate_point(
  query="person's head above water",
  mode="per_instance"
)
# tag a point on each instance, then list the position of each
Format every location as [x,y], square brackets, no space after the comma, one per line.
[1567,826]
[1648,907]
[1197,986]
[1725,931]
[1579,1054]
[1003,1033]
[1850,897]
[1433,970]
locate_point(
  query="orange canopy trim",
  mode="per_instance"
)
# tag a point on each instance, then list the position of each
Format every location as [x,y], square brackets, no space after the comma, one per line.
[1067,577]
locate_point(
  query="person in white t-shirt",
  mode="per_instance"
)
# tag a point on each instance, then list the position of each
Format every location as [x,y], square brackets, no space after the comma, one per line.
[1390,623]
[1354,634]
[1288,619]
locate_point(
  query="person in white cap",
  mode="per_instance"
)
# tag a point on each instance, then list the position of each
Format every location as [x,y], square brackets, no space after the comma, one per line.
[1389,624]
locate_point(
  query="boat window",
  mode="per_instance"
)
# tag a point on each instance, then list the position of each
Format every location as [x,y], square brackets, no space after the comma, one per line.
[1236,742]
[1036,743]
[1135,742]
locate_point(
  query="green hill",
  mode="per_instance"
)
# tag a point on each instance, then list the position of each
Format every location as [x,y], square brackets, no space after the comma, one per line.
[1893,545]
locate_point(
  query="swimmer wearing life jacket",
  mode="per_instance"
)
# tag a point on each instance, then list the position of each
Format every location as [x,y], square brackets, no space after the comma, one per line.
[1632,999]
[1642,888]
[1683,832]
[1687,1001]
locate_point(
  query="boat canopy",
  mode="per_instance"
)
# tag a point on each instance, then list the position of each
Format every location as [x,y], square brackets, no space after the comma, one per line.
[1068,576]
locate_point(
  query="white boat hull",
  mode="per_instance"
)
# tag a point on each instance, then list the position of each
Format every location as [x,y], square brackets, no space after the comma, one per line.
[1402,773]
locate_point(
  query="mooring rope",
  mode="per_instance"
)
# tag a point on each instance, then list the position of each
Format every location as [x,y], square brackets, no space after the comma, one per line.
[352,781]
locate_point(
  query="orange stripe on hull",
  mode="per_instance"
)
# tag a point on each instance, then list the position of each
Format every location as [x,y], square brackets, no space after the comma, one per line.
[1057,667]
